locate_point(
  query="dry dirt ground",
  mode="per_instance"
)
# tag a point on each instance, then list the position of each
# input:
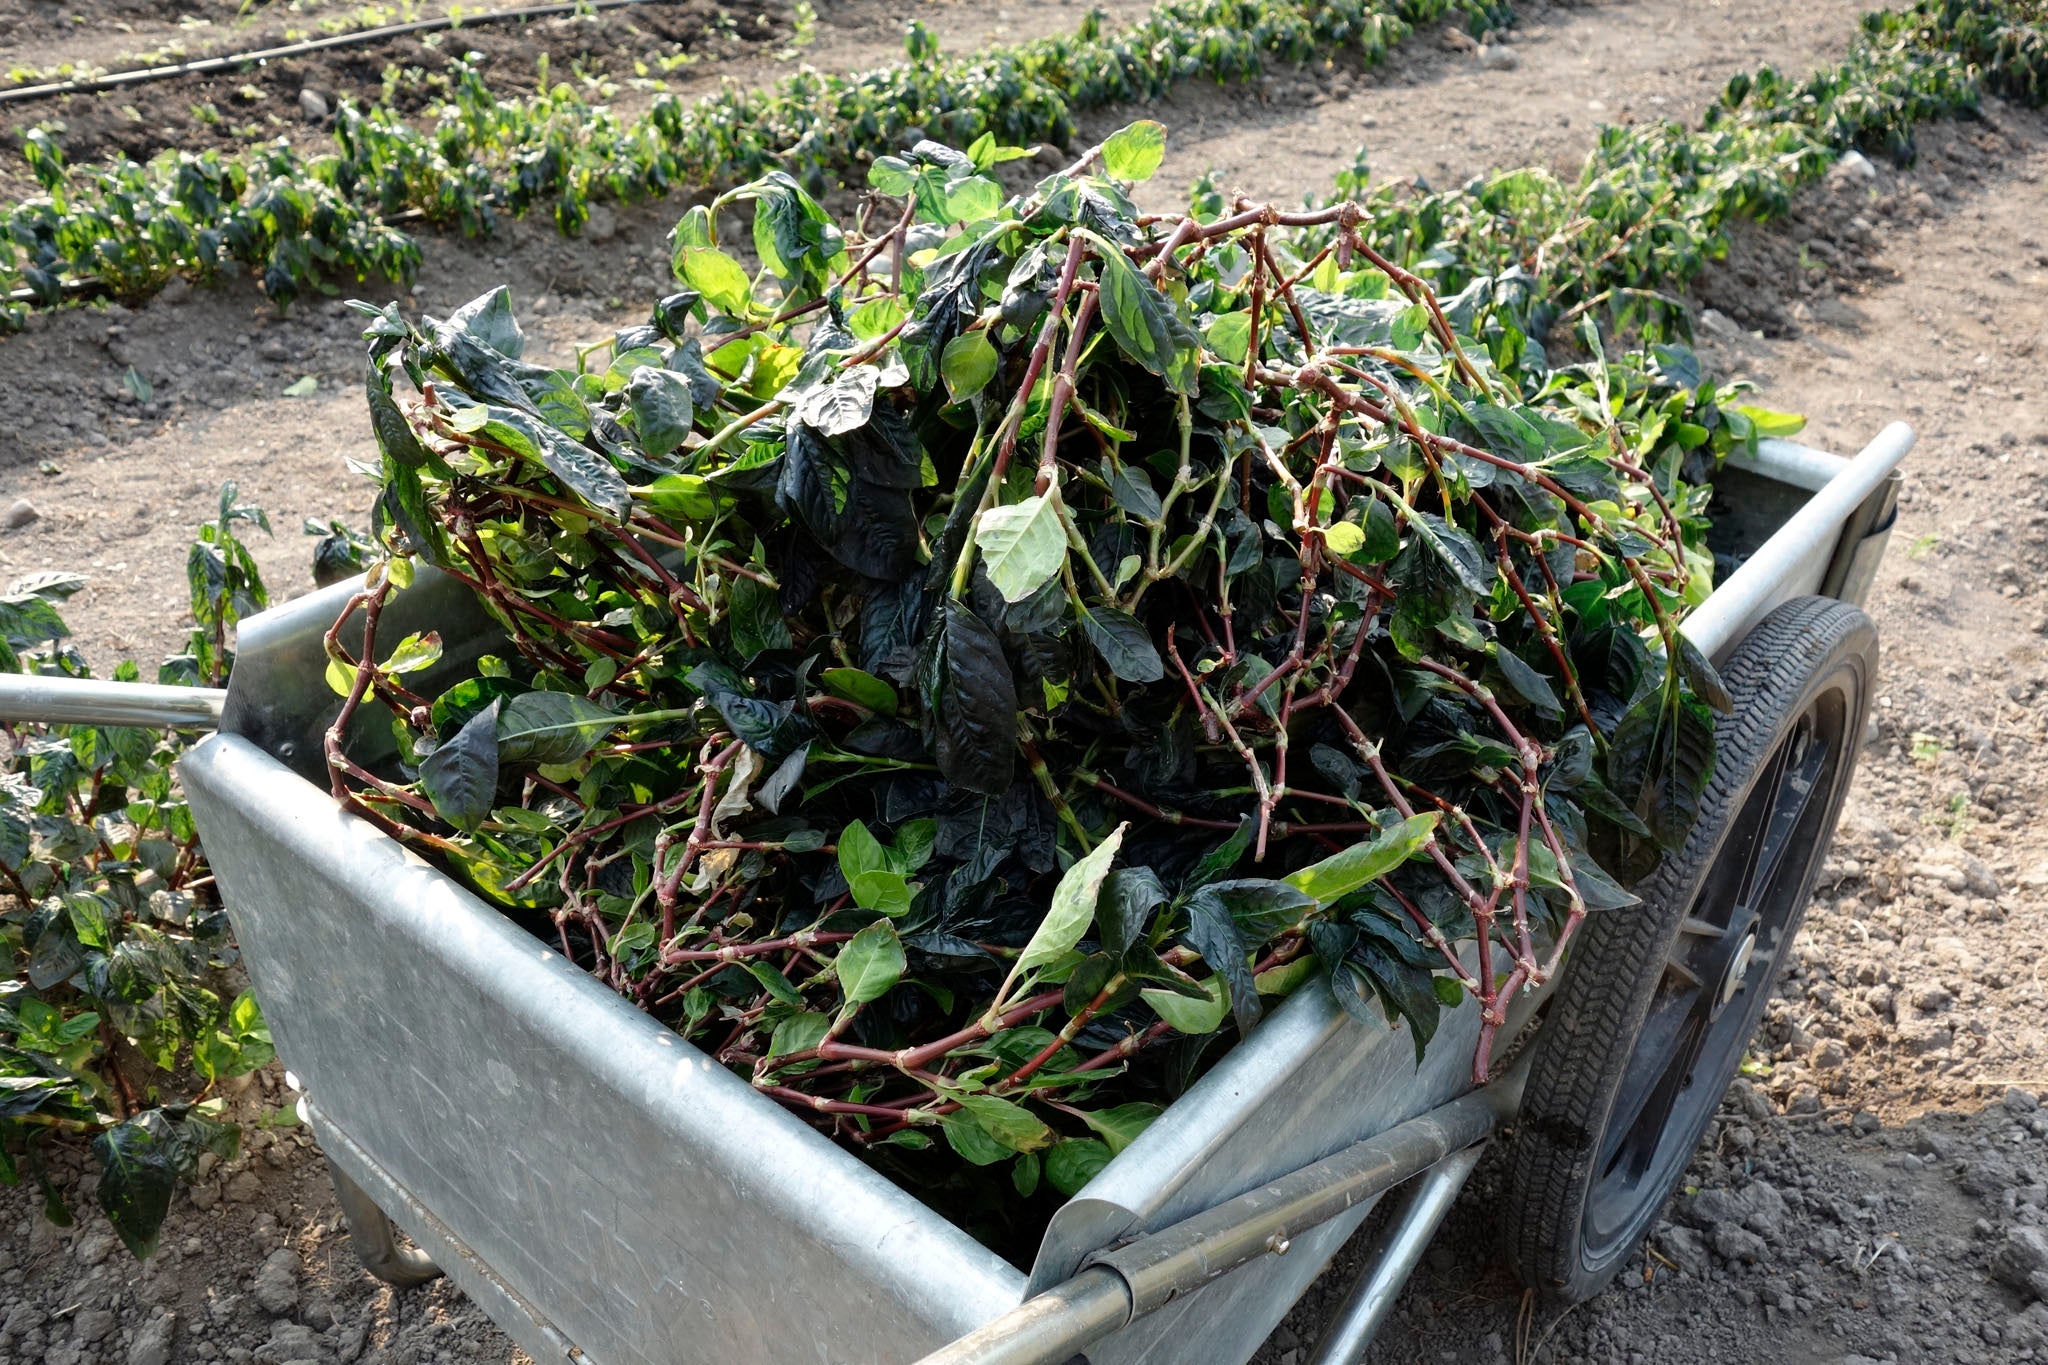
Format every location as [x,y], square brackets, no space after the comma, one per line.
[1875,1190]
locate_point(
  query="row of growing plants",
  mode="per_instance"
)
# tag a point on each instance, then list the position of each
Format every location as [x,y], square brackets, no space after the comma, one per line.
[309,221]
[1652,202]
[1647,210]
[963,674]
[114,1029]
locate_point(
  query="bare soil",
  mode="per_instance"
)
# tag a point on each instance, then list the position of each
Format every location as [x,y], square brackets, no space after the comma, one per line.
[1886,1151]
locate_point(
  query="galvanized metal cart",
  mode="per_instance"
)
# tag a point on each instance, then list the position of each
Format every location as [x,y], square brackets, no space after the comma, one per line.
[608,1194]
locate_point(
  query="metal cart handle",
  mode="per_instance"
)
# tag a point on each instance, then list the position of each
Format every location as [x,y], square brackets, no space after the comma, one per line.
[37,699]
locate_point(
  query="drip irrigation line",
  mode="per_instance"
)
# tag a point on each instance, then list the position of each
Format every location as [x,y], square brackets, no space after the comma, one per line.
[208,65]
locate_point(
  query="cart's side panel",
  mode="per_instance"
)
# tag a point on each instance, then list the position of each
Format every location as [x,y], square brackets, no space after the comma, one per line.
[1803,554]
[1307,1082]
[657,1209]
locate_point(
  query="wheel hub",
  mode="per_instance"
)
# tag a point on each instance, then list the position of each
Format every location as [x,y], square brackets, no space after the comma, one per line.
[1738,970]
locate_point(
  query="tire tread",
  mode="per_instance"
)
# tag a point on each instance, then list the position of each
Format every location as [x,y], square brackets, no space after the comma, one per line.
[1602,998]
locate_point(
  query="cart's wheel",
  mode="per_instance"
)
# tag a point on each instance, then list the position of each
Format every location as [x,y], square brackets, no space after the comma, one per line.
[1659,1000]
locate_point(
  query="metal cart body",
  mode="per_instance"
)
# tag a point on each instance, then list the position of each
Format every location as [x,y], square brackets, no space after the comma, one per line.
[607,1193]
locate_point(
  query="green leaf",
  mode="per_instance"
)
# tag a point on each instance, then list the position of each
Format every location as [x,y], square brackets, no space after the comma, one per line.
[303,387]
[1345,538]
[1073,1162]
[1772,424]
[718,277]
[861,852]
[798,1033]
[1022,546]
[971,199]
[767,973]
[341,679]
[1367,861]
[1008,1122]
[689,496]
[972,1142]
[461,777]
[869,965]
[551,727]
[1121,640]
[1146,324]
[1120,1125]
[1230,336]
[885,892]
[1073,907]
[663,411]
[414,652]
[1192,1017]
[1133,153]
[860,688]
[968,363]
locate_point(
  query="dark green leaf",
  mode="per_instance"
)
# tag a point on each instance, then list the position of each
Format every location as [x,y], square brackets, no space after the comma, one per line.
[1120,639]
[1528,684]
[1129,897]
[1702,678]
[1147,325]
[461,777]
[662,407]
[1455,549]
[550,727]
[1213,934]
[1072,1163]
[1660,760]
[972,701]
[758,624]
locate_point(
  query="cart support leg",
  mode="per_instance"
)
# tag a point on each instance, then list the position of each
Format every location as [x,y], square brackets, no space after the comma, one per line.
[375,1240]
[1394,1253]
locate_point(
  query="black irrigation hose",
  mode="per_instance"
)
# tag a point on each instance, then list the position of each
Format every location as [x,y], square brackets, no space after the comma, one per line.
[207,65]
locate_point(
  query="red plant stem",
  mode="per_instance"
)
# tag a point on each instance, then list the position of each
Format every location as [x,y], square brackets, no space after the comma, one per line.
[1139,803]
[667,889]
[1062,390]
[1119,1051]
[582,836]
[1013,421]
[1481,907]
[734,952]
[1064,1037]
[1550,640]
[797,1099]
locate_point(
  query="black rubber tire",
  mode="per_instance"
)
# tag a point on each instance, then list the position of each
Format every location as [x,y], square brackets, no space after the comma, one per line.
[1810,657]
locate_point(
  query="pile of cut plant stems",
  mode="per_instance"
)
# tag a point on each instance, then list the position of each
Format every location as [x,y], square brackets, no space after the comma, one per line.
[963,672]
